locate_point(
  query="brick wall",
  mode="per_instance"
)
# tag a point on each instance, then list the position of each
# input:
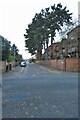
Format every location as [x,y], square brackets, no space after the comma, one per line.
[69,64]
[45,63]
[54,64]
[12,63]
[72,64]
[2,66]
[60,65]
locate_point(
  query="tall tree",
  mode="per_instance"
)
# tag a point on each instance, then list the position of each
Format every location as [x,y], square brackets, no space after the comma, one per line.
[5,48]
[44,26]
[14,50]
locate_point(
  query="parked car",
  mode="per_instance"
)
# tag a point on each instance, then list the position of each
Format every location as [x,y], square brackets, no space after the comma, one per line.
[23,64]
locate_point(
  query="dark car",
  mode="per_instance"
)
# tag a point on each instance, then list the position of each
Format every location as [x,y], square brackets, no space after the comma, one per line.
[23,64]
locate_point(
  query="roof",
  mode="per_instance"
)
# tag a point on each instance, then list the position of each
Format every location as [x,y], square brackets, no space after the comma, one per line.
[73,29]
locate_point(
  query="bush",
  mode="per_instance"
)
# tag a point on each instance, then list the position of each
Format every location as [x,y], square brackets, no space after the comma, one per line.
[52,56]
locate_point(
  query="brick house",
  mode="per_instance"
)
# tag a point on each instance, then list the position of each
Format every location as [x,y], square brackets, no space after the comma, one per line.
[73,38]
[61,48]
[52,50]
[70,47]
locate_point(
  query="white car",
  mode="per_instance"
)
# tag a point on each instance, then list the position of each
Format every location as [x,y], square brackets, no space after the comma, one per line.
[23,64]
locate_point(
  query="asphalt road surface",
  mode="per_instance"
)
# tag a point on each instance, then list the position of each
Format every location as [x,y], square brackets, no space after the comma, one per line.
[0,96]
[37,92]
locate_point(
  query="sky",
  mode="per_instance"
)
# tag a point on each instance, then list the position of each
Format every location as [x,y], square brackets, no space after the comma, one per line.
[15,15]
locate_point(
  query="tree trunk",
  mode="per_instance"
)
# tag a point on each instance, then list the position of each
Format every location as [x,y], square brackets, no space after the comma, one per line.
[47,56]
[39,54]
[44,46]
[51,45]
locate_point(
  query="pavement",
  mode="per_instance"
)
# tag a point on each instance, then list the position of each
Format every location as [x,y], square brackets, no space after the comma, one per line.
[13,72]
[56,70]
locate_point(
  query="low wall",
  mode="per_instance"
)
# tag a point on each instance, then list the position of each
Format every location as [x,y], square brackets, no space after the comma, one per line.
[54,64]
[72,64]
[69,64]
[2,66]
[60,64]
[12,63]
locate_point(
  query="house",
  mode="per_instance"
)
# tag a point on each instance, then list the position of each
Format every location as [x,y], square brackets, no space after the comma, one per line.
[52,50]
[50,53]
[67,47]
[61,48]
[73,38]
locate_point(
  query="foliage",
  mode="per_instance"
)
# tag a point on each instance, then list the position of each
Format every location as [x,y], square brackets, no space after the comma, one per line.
[18,58]
[10,58]
[44,26]
[8,51]
[52,56]
[5,48]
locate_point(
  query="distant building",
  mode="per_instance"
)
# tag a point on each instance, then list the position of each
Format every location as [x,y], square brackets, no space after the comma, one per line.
[51,51]
[61,48]
[68,47]
[74,42]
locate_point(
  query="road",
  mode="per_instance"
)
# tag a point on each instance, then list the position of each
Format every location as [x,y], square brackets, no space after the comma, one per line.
[0,96]
[37,92]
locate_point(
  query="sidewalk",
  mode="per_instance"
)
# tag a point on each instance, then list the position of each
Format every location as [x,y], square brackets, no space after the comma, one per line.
[11,73]
[50,69]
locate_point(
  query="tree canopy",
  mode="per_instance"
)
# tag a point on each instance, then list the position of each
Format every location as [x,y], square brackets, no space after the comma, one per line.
[44,26]
[5,47]
[8,52]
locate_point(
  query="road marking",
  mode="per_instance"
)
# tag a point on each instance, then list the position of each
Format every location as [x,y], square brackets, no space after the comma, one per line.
[33,74]
[50,70]
[22,69]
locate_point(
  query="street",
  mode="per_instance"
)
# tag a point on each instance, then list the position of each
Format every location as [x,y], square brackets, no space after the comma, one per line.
[36,92]
[0,96]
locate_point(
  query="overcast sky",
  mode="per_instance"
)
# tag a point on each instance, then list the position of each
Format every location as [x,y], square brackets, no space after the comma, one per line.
[15,15]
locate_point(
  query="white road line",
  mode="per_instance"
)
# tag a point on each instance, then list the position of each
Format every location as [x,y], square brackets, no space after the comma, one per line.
[22,69]
[50,70]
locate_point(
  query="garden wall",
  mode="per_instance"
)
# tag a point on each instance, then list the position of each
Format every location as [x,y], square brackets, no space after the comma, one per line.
[69,64]
[2,66]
